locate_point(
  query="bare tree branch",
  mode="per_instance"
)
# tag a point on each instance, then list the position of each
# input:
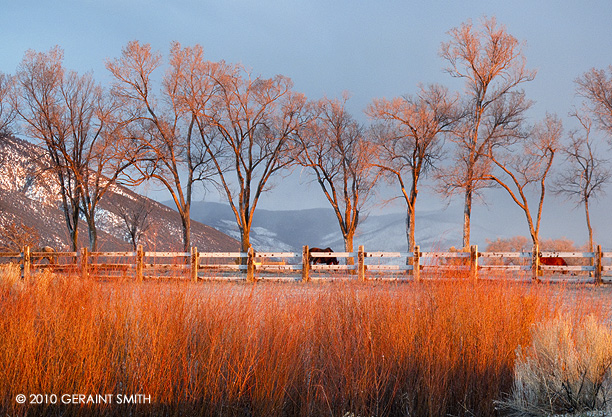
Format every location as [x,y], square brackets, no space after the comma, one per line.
[245,124]
[163,129]
[587,174]
[596,87]
[526,165]
[408,140]
[493,66]
[8,109]
[335,147]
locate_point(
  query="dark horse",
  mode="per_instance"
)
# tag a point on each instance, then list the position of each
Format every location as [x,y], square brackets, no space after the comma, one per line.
[553,261]
[320,259]
[47,253]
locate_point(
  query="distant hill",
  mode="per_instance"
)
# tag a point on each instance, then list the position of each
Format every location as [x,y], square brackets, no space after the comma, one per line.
[272,230]
[291,229]
[30,196]
[436,229]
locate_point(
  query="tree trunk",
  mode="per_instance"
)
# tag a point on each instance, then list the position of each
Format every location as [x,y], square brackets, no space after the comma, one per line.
[408,229]
[588,222]
[410,221]
[245,240]
[93,235]
[73,228]
[74,236]
[590,229]
[535,259]
[245,244]
[348,246]
[186,224]
[467,214]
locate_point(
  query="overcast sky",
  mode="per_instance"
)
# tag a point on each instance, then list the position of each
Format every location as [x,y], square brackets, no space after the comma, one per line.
[369,48]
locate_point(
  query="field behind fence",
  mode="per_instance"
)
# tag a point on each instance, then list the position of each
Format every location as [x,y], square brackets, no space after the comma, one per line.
[362,265]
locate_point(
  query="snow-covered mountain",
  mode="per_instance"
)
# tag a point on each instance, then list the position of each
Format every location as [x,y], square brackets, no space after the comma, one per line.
[291,229]
[436,229]
[29,195]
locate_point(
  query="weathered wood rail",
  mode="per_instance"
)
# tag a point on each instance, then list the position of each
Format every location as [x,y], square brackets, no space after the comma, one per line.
[363,265]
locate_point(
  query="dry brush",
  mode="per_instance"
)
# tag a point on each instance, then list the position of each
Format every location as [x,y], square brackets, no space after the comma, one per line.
[426,349]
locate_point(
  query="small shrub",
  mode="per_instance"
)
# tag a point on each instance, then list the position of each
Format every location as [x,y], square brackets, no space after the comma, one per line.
[14,236]
[567,369]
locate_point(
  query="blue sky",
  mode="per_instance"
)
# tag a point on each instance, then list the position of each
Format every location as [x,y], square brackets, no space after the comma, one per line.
[371,49]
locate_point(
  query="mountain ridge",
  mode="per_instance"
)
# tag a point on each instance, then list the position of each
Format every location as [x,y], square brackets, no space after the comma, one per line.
[30,196]
[275,230]
[437,229]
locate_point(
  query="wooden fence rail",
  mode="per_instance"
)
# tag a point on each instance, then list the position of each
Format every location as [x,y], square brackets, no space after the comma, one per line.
[143,264]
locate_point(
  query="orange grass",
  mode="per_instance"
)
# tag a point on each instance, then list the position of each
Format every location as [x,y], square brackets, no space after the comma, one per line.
[270,349]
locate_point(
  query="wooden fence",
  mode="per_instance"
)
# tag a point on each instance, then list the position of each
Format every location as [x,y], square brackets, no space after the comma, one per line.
[361,264]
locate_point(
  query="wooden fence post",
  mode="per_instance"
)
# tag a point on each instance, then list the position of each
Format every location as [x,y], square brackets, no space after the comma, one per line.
[361,264]
[139,263]
[251,265]
[84,263]
[474,262]
[305,264]
[27,262]
[535,262]
[195,262]
[416,263]
[598,266]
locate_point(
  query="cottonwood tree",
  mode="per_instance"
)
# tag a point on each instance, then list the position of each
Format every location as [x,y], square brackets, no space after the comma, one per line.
[246,124]
[596,86]
[161,126]
[524,168]
[335,147]
[410,141]
[107,157]
[75,120]
[59,109]
[137,221]
[44,106]
[7,108]
[586,174]
[491,62]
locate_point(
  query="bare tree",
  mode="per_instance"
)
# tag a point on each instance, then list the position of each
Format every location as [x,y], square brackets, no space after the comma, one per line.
[596,86]
[528,167]
[137,221]
[411,140]
[7,108]
[108,157]
[587,173]
[162,127]
[74,118]
[335,147]
[492,64]
[14,236]
[49,105]
[245,124]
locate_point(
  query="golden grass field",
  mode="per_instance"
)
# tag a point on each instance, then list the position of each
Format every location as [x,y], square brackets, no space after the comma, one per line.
[432,348]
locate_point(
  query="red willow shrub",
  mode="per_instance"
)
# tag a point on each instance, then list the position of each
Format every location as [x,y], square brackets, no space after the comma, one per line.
[271,349]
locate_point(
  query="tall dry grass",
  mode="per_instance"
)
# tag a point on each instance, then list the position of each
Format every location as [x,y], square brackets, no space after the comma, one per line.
[374,349]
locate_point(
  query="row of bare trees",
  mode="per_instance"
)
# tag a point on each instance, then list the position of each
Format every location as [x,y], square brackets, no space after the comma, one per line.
[187,122]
